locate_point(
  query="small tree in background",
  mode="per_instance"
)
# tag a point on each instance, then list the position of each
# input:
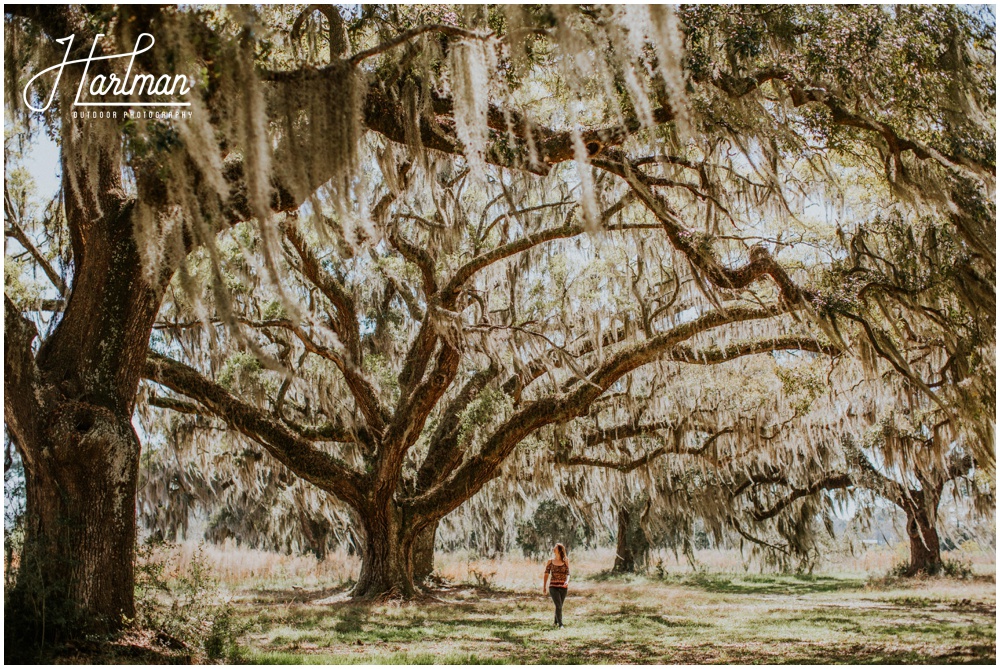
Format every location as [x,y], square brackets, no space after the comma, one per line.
[553,522]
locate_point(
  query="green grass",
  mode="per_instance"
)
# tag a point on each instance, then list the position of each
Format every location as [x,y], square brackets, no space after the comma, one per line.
[756,584]
[395,658]
[698,618]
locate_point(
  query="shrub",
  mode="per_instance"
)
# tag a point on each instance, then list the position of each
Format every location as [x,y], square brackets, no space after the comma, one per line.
[183,607]
[957,569]
[949,568]
[484,579]
[222,640]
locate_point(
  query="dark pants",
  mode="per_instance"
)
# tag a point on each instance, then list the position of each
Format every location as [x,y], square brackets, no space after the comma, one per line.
[558,596]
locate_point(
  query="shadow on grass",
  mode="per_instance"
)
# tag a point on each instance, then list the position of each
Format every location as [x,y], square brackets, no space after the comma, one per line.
[624,623]
[740,584]
[609,576]
[752,584]
[293,594]
[873,654]
[129,647]
[390,658]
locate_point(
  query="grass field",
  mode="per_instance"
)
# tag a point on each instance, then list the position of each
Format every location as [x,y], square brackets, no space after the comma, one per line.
[695,619]
[292,610]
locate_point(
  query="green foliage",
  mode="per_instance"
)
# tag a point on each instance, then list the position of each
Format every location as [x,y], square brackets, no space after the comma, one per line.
[553,522]
[240,368]
[491,405]
[907,64]
[183,607]
[381,371]
[802,385]
[222,640]
[150,574]
[957,569]
[898,570]
[960,569]
[274,310]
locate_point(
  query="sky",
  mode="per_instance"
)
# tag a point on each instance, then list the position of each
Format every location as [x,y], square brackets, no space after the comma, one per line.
[42,162]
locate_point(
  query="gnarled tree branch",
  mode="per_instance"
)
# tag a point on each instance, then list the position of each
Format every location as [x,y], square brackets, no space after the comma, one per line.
[293,451]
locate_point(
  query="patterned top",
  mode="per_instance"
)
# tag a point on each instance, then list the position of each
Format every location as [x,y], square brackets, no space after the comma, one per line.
[560,573]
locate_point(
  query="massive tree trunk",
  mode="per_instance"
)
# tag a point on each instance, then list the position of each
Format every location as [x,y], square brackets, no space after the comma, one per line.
[80,521]
[68,409]
[925,547]
[443,456]
[423,553]
[387,559]
[919,504]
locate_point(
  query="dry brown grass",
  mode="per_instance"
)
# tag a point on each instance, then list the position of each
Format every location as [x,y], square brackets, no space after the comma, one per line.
[238,567]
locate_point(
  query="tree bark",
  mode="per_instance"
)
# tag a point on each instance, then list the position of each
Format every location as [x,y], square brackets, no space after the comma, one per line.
[77,562]
[423,553]
[921,528]
[386,562]
[68,409]
[624,555]
[81,463]
[632,546]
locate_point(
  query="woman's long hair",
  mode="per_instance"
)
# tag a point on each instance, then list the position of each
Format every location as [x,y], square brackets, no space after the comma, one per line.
[562,553]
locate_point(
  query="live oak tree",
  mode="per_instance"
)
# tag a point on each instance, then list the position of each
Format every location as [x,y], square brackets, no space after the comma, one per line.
[769,456]
[792,503]
[428,239]
[667,456]
[897,453]
[708,121]
[438,393]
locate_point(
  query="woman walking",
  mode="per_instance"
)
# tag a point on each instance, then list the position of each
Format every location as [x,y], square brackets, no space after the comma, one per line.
[558,569]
